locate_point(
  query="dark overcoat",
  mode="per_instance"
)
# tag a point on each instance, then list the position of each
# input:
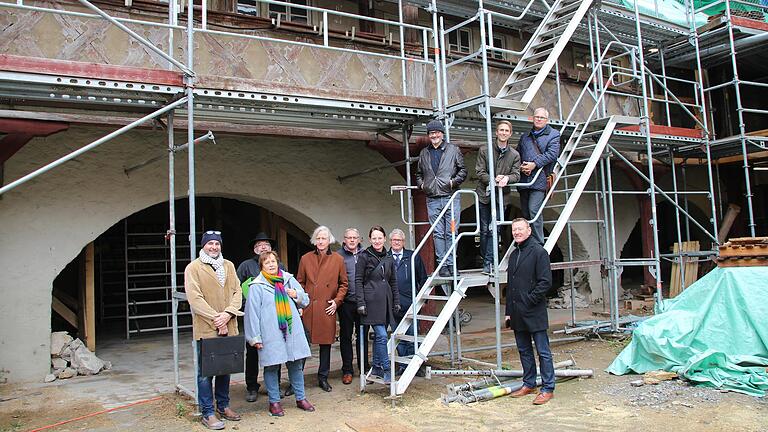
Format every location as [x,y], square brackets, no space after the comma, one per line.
[403,276]
[376,288]
[528,281]
[324,277]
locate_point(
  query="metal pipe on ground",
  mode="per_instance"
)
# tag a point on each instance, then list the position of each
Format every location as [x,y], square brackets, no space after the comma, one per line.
[509,345]
[490,392]
[491,381]
[588,373]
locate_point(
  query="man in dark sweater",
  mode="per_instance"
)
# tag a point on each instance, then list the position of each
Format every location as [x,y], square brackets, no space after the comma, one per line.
[349,320]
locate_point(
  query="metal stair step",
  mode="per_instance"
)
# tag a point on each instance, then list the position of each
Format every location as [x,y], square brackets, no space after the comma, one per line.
[403,359]
[570,7]
[408,338]
[421,317]
[542,44]
[435,297]
[540,54]
[563,17]
[554,30]
[528,69]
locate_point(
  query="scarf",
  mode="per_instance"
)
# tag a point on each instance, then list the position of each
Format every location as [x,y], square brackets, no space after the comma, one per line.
[282,305]
[217,264]
[377,254]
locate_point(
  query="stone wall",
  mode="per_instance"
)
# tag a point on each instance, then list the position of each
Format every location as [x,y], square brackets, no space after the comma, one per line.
[46,222]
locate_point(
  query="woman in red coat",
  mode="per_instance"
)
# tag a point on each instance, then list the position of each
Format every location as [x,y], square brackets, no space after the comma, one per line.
[324,277]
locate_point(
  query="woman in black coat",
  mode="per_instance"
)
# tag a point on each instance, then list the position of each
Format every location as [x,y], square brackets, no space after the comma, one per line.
[377,297]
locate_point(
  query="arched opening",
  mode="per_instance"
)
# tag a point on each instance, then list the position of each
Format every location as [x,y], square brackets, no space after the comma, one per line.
[132,279]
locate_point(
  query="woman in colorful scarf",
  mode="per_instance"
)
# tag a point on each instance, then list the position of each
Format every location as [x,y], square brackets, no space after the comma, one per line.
[273,326]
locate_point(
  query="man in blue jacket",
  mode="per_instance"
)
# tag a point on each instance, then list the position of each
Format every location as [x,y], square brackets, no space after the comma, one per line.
[538,148]
[402,258]
[528,281]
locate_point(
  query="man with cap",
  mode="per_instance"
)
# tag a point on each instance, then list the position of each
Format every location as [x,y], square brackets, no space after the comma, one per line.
[439,174]
[214,295]
[246,272]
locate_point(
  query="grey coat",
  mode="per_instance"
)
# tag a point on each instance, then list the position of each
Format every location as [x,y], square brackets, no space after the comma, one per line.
[450,174]
[261,323]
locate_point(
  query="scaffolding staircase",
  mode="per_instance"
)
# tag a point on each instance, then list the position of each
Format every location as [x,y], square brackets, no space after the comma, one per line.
[578,160]
[541,53]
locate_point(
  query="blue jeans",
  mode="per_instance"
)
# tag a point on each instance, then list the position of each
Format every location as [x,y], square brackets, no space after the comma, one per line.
[486,236]
[530,202]
[205,393]
[547,368]
[380,354]
[442,232]
[295,376]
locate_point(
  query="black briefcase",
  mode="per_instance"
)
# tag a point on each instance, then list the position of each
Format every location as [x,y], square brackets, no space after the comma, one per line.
[221,355]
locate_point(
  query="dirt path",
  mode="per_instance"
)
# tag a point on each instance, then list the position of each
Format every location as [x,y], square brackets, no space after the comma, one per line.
[603,403]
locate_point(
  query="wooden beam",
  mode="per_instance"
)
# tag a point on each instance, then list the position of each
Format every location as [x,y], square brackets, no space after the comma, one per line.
[64,312]
[282,243]
[89,301]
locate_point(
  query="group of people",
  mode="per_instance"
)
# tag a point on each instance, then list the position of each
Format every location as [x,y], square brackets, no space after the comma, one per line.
[371,287]
[284,313]
[441,171]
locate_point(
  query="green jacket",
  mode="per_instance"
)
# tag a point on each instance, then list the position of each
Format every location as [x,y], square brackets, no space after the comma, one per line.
[507,164]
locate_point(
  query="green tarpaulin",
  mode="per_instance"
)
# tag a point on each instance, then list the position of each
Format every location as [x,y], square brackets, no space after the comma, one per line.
[714,333]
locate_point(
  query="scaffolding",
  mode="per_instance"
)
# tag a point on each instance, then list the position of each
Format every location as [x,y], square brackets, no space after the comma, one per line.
[625,48]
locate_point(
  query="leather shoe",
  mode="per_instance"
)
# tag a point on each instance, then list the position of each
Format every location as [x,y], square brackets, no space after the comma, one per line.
[252,396]
[212,423]
[543,398]
[229,414]
[288,391]
[323,383]
[445,272]
[305,405]
[346,379]
[276,410]
[523,391]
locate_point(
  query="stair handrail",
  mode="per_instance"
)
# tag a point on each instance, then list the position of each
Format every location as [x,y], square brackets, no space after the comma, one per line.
[451,250]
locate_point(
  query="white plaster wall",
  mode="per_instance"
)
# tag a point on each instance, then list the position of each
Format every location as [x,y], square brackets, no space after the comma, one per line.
[46,222]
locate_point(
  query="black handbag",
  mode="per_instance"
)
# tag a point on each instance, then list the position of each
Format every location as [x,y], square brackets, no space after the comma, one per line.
[221,355]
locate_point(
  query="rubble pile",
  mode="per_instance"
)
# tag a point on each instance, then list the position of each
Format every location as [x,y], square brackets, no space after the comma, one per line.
[70,357]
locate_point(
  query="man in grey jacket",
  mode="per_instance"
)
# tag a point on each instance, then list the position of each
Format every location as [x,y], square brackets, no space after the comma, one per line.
[506,166]
[439,174]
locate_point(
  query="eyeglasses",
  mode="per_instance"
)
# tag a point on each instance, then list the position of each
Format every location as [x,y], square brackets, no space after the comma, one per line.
[351,237]
[539,118]
[213,232]
[396,239]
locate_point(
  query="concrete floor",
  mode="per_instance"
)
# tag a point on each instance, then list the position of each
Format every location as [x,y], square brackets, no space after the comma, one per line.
[142,367]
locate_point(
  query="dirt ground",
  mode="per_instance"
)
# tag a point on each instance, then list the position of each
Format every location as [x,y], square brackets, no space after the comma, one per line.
[602,403]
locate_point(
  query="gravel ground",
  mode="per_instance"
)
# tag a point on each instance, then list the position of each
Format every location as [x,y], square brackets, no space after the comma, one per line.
[664,395]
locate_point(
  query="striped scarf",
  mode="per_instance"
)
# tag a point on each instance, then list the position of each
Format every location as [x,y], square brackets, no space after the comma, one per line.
[282,305]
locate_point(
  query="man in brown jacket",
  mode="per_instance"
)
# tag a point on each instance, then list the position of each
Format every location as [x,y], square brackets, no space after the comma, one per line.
[215,296]
[324,277]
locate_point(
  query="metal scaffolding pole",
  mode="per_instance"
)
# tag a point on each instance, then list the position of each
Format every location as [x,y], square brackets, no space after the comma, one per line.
[645,122]
[742,126]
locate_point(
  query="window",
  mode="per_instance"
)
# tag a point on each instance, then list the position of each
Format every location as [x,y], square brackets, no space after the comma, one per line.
[289,13]
[498,42]
[459,41]
[248,7]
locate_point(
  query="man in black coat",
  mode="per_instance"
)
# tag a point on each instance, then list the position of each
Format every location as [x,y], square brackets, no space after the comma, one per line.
[528,281]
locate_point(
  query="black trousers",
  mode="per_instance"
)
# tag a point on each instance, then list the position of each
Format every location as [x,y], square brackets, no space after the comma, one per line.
[349,323]
[252,368]
[325,362]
